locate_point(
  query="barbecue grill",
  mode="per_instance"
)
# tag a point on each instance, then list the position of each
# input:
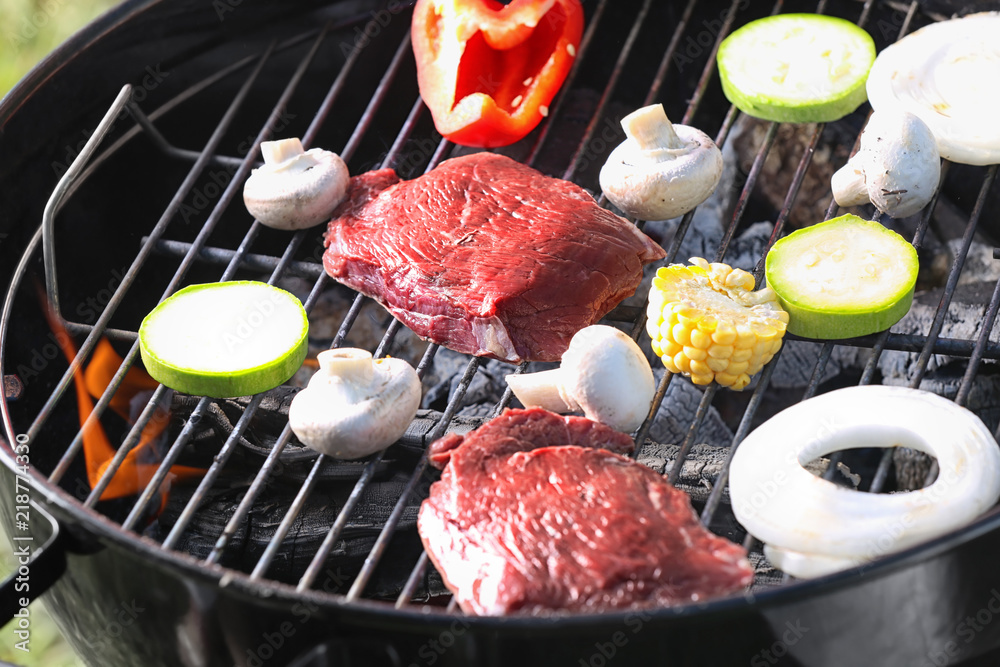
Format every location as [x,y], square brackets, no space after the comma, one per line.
[124,153]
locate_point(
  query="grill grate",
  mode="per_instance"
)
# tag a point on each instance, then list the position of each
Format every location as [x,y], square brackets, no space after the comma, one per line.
[197,252]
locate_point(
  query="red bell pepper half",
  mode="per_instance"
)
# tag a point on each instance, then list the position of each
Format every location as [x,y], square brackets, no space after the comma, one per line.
[488,71]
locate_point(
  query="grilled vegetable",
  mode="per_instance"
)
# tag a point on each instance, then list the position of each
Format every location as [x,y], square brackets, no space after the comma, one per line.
[295,188]
[946,74]
[661,170]
[707,322]
[799,68]
[225,339]
[603,373]
[811,527]
[842,278]
[897,167]
[487,71]
[355,405]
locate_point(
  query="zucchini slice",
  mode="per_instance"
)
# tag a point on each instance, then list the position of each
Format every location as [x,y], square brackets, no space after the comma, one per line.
[842,278]
[946,75]
[798,68]
[225,339]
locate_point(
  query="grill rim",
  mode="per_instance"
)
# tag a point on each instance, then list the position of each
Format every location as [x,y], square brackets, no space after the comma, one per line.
[84,518]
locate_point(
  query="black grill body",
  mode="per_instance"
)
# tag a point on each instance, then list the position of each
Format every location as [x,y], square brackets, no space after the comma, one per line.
[124,598]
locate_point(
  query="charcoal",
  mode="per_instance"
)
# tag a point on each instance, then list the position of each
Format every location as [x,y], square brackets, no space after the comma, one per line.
[796,364]
[963,320]
[308,531]
[979,265]
[790,143]
[677,411]
[444,375]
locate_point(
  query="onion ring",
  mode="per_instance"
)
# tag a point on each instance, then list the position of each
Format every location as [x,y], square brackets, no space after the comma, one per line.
[946,74]
[811,526]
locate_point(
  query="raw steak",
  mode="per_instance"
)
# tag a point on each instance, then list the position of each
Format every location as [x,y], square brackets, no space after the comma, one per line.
[485,255]
[536,512]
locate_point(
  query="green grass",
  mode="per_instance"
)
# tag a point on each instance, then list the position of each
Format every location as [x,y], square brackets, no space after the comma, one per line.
[30,29]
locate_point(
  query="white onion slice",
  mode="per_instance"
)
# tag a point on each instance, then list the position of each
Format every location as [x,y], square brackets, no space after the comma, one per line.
[811,526]
[947,74]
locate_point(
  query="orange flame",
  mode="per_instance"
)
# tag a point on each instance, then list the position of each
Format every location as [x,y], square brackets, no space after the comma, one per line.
[139,464]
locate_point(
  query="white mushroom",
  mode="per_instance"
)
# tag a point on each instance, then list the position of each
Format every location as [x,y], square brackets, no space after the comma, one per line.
[355,405]
[603,373]
[295,188]
[897,166]
[661,170]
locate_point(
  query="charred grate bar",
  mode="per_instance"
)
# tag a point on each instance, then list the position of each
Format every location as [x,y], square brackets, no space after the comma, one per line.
[611,83]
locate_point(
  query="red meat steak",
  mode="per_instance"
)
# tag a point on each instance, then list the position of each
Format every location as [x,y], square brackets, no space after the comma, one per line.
[485,255]
[534,513]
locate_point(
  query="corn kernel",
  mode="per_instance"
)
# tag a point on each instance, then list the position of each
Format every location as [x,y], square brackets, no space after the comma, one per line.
[671,348]
[708,324]
[720,351]
[737,367]
[717,365]
[668,363]
[682,362]
[700,339]
[740,355]
[695,353]
[726,379]
[680,334]
[725,334]
[699,367]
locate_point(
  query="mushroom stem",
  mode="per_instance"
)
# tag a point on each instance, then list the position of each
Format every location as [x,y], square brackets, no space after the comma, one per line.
[542,389]
[347,362]
[848,184]
[276,152]
[650,129]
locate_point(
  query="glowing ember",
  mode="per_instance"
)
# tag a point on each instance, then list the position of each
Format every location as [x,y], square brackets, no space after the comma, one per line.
[141,462]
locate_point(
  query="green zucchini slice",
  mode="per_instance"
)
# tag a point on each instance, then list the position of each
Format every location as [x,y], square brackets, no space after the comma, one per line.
[225,339]
[842,278]
[798,68]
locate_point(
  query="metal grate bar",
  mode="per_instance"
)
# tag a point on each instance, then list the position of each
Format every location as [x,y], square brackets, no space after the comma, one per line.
[668,55]
[152,487]
[699,416]
[952,283]
[375,555]
[608,89]
[264,473]
[375,104]
[715,495]
[274,544]
[560,99]
[223,257]
[882,472]
[91,341]
[709,70]
[750,411]
[741,203]
[977,353]
[260,480]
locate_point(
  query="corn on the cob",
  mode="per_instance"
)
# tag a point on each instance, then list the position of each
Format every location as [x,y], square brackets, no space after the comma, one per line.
[707,322]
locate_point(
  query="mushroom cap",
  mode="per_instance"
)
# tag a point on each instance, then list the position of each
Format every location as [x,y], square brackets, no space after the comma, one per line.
[299,192]
[607,376]
[897,166]
[354,405]
[903,164]
[663,183]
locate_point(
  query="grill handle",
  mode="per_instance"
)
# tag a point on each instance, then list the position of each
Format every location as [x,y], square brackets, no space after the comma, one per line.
[42,566]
